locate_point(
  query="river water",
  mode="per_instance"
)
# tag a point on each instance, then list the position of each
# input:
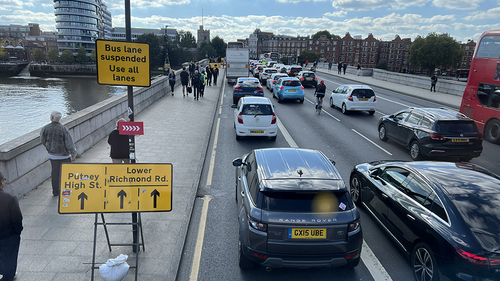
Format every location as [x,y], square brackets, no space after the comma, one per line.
[26,102]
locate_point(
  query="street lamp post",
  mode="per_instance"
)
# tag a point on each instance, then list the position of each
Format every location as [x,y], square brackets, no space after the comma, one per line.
[166,64]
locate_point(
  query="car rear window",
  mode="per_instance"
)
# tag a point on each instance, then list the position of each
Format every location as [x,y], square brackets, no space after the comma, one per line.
[296,69]
[308,74]
[480,211]
[249,83]
[452,127]
[271,71]
[292,83]
[363,93]
[306,202]
[253,109]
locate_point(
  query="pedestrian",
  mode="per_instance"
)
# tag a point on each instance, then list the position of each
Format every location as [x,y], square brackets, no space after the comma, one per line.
[11,225]
[203,80]
[339,67]
[434,80]
[195,82]
[191,69]
[119,151]
[345,67]
[209,75]
[184,81]
[358,68]
[330,65]
[307,62]
[171,80]
[215,74]
[59,144]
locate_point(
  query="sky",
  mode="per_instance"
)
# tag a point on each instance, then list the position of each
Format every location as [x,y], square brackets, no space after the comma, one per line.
[237,19]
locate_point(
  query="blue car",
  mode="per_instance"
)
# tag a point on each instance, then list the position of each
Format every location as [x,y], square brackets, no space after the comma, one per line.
[288,88]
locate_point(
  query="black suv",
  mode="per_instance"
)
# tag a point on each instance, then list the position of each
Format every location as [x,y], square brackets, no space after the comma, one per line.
[308,78]
[433,132]
[294,211]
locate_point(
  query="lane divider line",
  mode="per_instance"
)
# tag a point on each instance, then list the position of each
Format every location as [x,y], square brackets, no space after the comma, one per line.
[327,113]
[373,265]
[378,146]
[195,266]
[285,134]
[212,158]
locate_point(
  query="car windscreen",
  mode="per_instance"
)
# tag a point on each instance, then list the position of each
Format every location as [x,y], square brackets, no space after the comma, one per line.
[257,109]
[305,202]
[292,83]
[456,127]
[363,93]
[308,75]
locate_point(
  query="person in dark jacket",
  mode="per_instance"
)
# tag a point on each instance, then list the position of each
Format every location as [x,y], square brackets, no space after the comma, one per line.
[195,82]
[339,67]
[171,80]
[11,225]
[209,75]
[184,81]
[119,151]
[215,73]
[60,146]
[192,67]
[434,80]
[345,67]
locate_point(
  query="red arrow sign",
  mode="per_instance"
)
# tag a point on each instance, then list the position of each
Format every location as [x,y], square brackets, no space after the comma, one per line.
[130,128]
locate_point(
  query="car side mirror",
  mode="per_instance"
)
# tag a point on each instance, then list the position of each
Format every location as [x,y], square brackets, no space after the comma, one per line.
[233,106]
[237,162]
[375,173]
[333,162]
[391,116]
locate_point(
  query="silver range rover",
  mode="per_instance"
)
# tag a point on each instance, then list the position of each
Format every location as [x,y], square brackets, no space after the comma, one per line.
[294,211]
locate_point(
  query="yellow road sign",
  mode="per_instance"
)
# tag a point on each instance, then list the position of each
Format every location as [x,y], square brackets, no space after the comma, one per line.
[123,63]
[111,188]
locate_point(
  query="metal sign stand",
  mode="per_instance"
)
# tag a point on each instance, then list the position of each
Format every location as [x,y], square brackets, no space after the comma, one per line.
[137,225]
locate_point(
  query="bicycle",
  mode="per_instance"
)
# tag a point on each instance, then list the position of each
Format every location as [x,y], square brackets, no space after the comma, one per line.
[319,106]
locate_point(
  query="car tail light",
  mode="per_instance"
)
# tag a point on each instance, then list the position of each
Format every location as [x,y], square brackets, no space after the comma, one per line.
[273,120]
[302,78]
[353,226]
[349,97]
[260,89]
[436,137]
[302,87]
[281,88]
[315,78]
[257,225]
[374,98]
[478,260]
[240,118]
[238,89]
[260,256]
[350,256]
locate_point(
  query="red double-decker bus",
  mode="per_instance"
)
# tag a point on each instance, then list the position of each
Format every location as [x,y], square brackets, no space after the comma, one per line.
[481,99]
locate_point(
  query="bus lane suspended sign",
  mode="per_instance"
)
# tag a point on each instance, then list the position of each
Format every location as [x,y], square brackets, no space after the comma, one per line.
[123,63]
[115,188]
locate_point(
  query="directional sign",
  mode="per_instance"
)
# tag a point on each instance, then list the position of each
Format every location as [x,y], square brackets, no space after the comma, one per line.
[112,188]
[130,128]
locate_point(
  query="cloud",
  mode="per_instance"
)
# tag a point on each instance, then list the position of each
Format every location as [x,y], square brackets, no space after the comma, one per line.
[338,14]
[298,1]
[489,14]
[144,4]
[25,16]
[369,5]
[457,4]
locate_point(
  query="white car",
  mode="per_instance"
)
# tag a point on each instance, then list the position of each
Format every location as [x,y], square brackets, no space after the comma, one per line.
[354,98]
[266,73]
[255,116]
[274,79]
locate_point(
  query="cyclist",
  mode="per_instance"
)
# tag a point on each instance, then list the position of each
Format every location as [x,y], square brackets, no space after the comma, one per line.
[320,92]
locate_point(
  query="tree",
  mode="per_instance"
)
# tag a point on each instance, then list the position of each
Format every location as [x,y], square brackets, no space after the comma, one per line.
[186,39]
[156,51]
[67,56]
[206,50]
[81,56]
[328,35]
[52,55]
[220,46]
[435,50]
[39,55]
[93,55]
[3,54]
[307,55]
[382,64]
[284,60]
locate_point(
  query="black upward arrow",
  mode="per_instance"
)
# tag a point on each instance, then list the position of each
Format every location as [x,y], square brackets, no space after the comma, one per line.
[155,194]
[82,197]
[122,194]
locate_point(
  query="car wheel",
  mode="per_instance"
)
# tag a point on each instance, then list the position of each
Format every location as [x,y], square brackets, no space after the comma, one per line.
[344,109]
[371,112]
[243,261]
[415,151]
[331,103]
[424,263]
[238,137]
[355,189]
[492,131]
[301,100]
[382,134]
[280,99]
[273,138]
[353,263]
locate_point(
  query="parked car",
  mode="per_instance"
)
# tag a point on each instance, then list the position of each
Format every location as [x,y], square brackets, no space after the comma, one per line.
[266,73]
[294,211]
[308,78]
[247,86]
[288,88]
[444,215]
[354,98]
[433,132]
[293,70]
[274,79]
[255,116]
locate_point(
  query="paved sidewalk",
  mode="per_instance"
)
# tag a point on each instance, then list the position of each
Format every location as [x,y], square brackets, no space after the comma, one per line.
[446,99]
[59,246]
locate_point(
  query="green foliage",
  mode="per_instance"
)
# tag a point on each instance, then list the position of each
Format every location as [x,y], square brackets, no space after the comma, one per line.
[382,64]
[53,55]
[39,55]
[307,55]
[156,51]
[435,50]
[3,54]
[206,50]
[186,39]
[67,56]
[284,60]
[93,55]
[328,35]
[81,55]
[220,46]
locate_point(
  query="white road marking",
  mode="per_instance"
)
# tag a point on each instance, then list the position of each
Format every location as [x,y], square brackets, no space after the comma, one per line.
[389,100]
[212,158]
[195,266]
[372,142]
[322,110]
[285,134]
[373,265]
